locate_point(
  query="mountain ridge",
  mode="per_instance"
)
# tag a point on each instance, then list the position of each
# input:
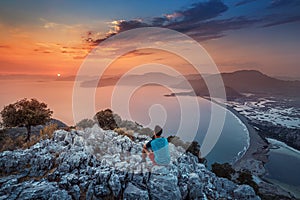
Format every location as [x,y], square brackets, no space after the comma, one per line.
[246,81]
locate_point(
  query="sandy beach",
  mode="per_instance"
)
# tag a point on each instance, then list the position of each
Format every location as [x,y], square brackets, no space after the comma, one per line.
[256,157]
[256,154]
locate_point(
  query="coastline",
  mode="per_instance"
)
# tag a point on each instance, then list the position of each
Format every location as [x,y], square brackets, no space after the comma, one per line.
[256,152]
[255,157]
[258,147]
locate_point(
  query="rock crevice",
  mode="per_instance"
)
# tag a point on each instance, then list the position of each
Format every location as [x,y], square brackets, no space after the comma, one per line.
[98,164]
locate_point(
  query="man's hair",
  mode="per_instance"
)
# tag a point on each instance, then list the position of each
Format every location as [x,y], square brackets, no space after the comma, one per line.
[158,130]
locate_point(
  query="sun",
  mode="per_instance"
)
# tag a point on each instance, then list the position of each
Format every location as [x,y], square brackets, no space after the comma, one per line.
[58,75]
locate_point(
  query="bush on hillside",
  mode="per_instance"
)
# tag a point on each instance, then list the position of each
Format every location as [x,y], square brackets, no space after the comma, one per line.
[26,113]
[107,120]
[85,123]
[245,177]
[10,143]
[125,132]
[146,131]
[224,170]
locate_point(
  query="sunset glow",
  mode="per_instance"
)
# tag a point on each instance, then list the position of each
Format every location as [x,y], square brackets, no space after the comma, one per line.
[45,42]
[180,99]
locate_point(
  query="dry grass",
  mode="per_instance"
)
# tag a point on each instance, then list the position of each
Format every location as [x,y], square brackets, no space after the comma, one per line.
[125,132]
[46,133]
[9,143]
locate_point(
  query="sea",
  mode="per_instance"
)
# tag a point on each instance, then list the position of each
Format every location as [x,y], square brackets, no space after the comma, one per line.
[150,105]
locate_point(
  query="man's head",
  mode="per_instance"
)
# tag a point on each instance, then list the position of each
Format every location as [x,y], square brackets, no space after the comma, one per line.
[158,131]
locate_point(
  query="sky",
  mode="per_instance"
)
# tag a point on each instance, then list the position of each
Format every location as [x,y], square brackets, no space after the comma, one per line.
[54,37]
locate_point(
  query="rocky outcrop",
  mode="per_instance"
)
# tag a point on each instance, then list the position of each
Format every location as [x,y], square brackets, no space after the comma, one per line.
[97,164]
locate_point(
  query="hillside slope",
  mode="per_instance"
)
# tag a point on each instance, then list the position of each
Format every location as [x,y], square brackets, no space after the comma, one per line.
[96,164]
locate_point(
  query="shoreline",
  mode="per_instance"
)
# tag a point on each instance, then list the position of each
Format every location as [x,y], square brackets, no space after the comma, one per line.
[257,148]
[255,157]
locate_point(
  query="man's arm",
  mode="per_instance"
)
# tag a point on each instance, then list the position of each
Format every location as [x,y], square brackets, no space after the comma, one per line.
[147,146]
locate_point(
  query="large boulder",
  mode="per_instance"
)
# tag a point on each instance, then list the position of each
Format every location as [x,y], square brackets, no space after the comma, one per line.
[163,183]
[42,190]
[133,192]
[98,164]
[195,187]
[245,192]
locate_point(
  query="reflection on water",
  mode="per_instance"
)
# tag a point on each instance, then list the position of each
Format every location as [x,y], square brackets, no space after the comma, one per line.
[283,167]
[283,164]
[58,96]
[231,144]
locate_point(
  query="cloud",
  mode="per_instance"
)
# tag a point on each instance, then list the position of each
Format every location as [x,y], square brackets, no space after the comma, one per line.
[274,21]
[4,47]
[140,53]
[127,25]
[181,20]
[203,10]
[282,3]
[200,21]
[216,28]
[241,3]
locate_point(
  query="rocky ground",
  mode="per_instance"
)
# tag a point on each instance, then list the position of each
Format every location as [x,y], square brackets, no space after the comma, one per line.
[97,164]
[274,117]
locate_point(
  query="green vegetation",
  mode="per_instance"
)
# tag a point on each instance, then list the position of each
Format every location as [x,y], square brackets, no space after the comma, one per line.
[190,147]
[245,177]
[225,170]
[26,113]
[86,123]
[125,132]
[107,120]
[7,142]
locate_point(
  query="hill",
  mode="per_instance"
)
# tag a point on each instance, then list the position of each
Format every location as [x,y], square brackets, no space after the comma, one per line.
[247,81]
[98,164]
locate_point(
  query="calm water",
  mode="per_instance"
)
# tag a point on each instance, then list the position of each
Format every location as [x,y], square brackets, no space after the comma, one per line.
[283,167]
[148,106]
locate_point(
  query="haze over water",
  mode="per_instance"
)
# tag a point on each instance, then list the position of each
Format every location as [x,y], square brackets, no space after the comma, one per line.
[148,106]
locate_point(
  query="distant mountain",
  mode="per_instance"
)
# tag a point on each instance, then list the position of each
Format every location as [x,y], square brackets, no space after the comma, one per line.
[236,83]
[154,77]
[247,81]
[288,78]
[252,81]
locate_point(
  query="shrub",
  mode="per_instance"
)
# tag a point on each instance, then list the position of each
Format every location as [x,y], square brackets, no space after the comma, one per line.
[107,119]
[129,125]
[46,133]
[223,170]
[146,131]
[245,177]
[26,113]
[177,141]
[125,132]
[85,123]
[194,148]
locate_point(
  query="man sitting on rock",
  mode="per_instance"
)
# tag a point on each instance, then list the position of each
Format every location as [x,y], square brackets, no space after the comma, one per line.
[157,149]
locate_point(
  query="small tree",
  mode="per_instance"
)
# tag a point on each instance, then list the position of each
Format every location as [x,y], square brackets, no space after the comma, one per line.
[194,148]
[107,119]
[224,170]
[245,177]
[26,113]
